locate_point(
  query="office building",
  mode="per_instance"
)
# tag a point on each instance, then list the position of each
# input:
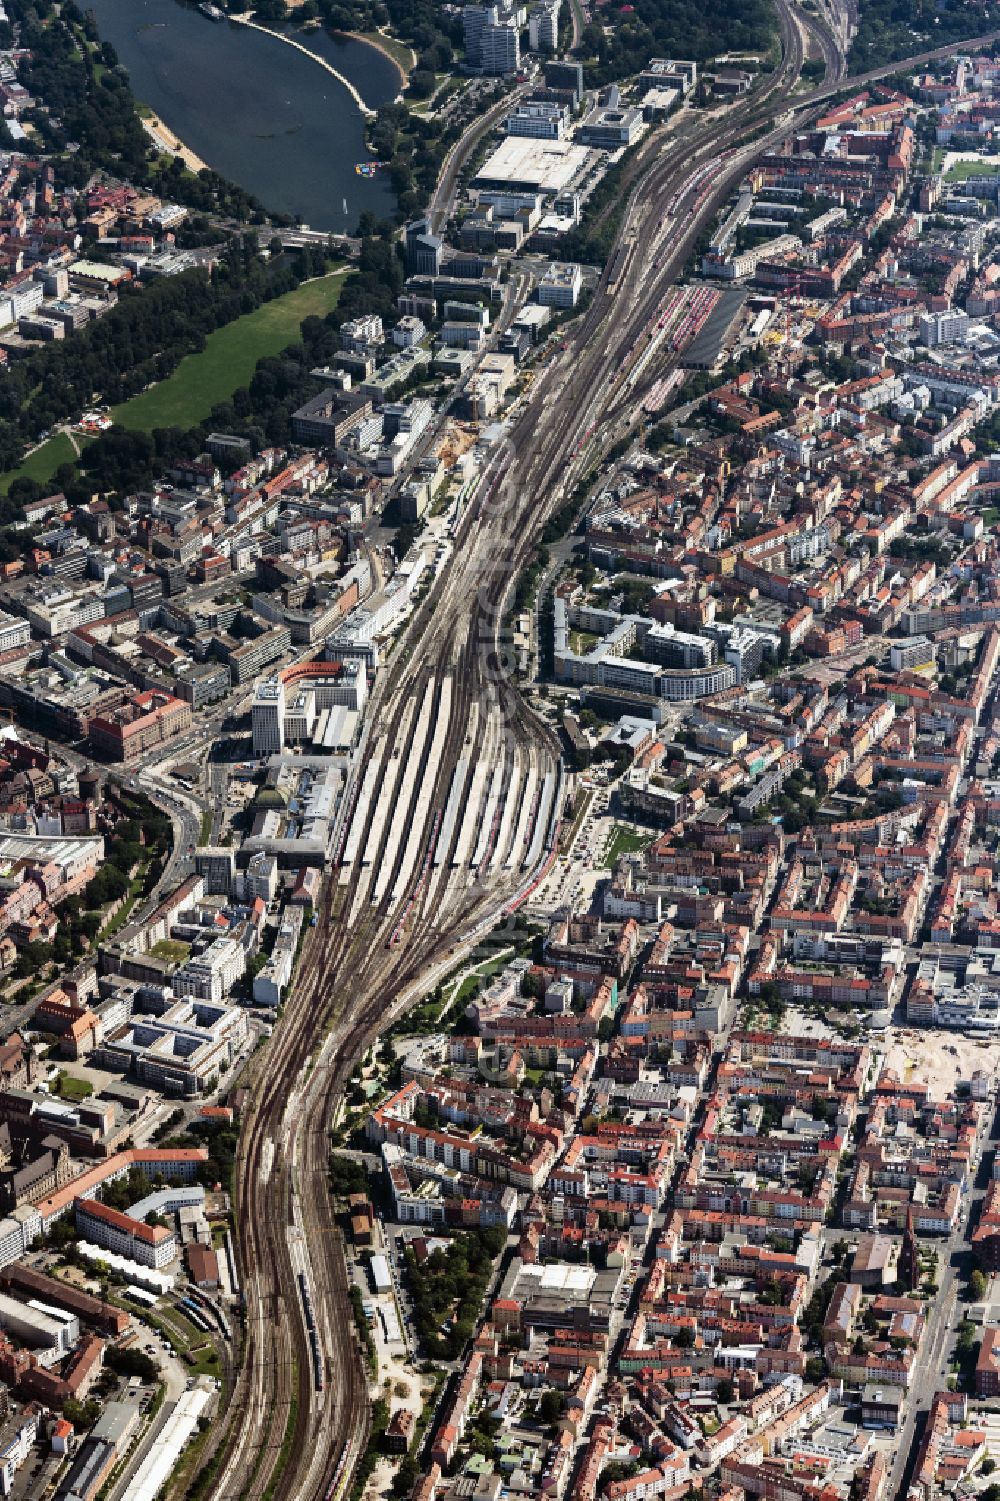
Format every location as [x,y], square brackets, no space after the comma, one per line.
[52,607]
[424,249]
[668,73]
[610,127]
[143,722]
[247,659]
[175,1045]
[542,119]
[564,77]
[268,717]
[560,286]
[672,648]
[216,864]
[326,419]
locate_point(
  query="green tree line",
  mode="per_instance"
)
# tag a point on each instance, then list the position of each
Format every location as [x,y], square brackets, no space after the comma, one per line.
[140,341]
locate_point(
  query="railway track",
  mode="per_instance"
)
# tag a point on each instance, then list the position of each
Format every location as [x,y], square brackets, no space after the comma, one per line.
[284,1437]
[276,1400]
[348,982]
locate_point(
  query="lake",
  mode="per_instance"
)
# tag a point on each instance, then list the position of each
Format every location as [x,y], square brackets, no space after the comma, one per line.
[257,110]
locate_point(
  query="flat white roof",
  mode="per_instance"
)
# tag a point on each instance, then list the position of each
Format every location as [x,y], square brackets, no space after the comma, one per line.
[561,1277]
[545,166]
[168,1446]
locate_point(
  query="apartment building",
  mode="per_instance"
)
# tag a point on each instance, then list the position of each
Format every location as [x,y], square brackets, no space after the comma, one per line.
[543,26]
[149,1245]
[213,973]
[492,39]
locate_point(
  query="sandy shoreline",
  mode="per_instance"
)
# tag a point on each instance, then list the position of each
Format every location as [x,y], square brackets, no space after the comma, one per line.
[370,41]
[168,140]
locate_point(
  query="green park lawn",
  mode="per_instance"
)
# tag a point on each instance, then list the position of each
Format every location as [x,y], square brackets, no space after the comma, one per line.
[72,1088]
[625,842]
[43,463]
[201,380]
[959,171]
[228,359]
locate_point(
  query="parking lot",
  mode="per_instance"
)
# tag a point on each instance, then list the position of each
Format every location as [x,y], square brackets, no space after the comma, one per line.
[578,872]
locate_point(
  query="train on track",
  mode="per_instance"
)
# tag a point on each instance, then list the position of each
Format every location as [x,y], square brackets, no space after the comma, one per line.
[195,1315]
[197,1301]
[620,262]
[312,1331]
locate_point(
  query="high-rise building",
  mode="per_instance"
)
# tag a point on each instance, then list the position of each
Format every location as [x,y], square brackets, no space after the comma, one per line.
[423,249]
[474,21]
[492,40]
[543,26]
[948,327]
[501,49]
[268,717]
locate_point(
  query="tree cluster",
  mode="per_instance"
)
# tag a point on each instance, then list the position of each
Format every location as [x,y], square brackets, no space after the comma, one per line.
[131,1362]
[86,94]
[413,146]
[347,1176]
[447,1290]
[628,35]
[120,1193]
[890,29]
[431,32]
[111,882]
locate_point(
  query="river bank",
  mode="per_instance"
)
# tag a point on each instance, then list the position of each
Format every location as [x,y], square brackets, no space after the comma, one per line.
[164,139]
[290,134]
[373,39]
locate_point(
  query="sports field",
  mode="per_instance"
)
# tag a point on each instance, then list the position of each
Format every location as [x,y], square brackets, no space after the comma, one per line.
[228,359]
